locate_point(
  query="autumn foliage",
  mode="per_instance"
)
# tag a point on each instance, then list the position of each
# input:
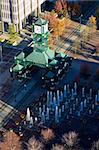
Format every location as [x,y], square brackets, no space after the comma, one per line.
[11,141]
[51,18]
[47,134]
[92,23]
[50,41]
[92,20]
[59,27]
[56,25]
[61,8]
[58,6]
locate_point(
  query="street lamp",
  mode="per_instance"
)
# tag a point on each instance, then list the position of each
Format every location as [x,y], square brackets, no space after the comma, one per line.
[80,20]
[25,87]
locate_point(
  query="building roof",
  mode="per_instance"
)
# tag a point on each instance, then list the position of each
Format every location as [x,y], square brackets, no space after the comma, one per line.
[40,22]
[53,62]
[17,67]
[37,58]
[40,57]
[20,56]
[60,54]
[50,53]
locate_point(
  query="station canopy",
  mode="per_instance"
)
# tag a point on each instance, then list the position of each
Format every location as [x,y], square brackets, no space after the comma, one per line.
[17,67]
[40,58]
[20,56]
[40,22]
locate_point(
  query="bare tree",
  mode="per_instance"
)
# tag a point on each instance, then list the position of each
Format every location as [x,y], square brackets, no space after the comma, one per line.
[34,144]
[95,145]
[70,139]
[58,147]
[11,141]
[47,134]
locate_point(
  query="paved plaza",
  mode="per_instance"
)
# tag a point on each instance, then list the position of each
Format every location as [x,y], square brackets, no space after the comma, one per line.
[19,95]
[68,101]
[15,94]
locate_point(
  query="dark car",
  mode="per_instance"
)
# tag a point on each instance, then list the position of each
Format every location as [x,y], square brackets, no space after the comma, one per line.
[49,78]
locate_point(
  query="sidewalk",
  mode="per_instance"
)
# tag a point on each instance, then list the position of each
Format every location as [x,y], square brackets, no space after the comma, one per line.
[4,77]
[21,97]
[21,42]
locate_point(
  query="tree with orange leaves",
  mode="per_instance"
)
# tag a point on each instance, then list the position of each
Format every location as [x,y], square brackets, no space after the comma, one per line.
[91,24]
[50,41]
[56,26]
[53,22]
[58,6]
[11,141]
[47,134]
[61,8]
[92,20]
[59,27]
[51,18]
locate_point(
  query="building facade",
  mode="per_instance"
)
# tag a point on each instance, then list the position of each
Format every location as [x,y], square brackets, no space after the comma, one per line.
[16,12]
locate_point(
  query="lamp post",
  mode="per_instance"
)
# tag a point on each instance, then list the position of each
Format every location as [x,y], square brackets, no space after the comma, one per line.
[25,87]
[80,21]
[81,18]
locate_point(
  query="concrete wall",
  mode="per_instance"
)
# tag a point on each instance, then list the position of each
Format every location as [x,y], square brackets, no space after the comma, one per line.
[15,11]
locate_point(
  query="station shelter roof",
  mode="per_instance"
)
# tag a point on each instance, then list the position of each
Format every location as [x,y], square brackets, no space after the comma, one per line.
[20,56]
[40,22]
[17,67]
[61,54]
[40,58]
[53,62]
